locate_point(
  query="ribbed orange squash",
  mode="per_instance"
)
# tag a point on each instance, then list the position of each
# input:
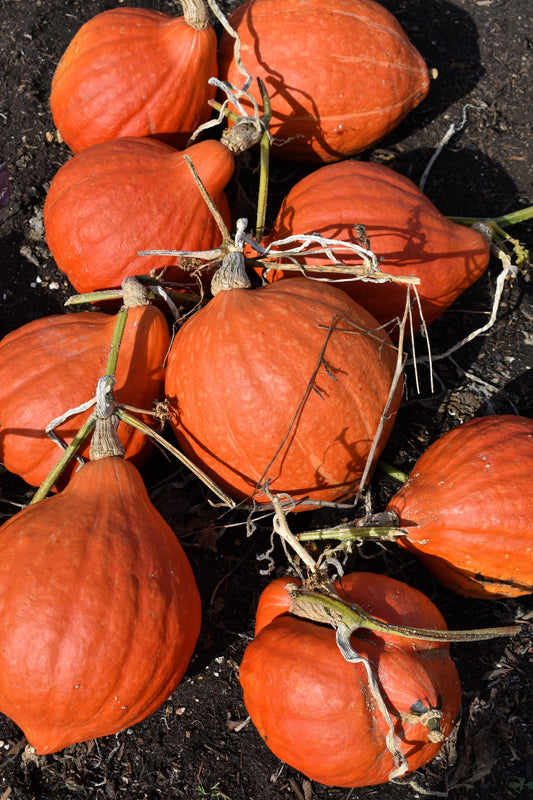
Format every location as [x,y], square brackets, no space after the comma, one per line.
[253,397]
[340,75]
[406,231]
[53,364]
[467,507]
[130,194]
[135,72]
[314,709]
[99,609]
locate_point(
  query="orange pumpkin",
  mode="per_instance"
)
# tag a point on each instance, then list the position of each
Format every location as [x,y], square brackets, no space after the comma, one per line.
[340,75]
[53,364]
[315,710]
[253,397]
[99,609]
[466,507]
[135,72]
[130,194]
[406,231]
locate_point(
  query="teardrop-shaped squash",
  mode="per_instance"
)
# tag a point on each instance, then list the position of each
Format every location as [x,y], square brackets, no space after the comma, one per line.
[99,609]
[51,365]
[408,234]
[466,507]
[340,75]
[135,72]
[258,389]
[315,710]
[130,194]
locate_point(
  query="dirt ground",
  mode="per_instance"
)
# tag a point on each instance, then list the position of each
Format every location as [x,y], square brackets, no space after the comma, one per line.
[480,54]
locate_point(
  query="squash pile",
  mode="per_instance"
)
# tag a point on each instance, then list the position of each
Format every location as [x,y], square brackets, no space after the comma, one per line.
[284,391]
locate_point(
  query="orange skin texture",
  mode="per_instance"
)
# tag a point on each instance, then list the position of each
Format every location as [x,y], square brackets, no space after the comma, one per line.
[53,364]
[239,369]
[133,72]
[99,607]
[406,231]
[314,709]
[340,76]
[130,194]
[467,507]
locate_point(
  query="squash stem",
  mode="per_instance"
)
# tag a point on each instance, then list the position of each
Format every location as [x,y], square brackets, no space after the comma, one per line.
[90,423]
[94,297]
[505,221]
[264,151]
[499,237]
[116,339]
[321,607]
[353,533]
[264,163]
[195,14]
[231,115]
[68,454]
[117,294]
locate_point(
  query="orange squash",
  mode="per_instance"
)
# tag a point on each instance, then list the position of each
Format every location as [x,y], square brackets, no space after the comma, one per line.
[253,397]
[466,507]
[53,364]
[135,72]
[406,231]
[99,609]
[314,709]
[130,194]
[340,75]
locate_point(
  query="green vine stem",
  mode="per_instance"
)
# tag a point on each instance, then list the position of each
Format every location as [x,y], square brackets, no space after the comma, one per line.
[120,413]
[67,456]
[264,145]
[117,294]
[499,236]
[108,412]
[320,607]
[505,221]
[264,150]
[110,368]
[226,112]
[349,533]
[116,339]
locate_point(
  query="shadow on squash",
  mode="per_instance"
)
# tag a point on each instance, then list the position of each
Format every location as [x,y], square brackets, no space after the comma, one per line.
[453,34]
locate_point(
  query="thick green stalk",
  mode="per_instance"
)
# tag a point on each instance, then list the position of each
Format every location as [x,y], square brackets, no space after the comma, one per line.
[500,238]
[348,533]
[505,221]
[231,115]
[68,454]
[116,294]
[262,194]
[89,424]
[116,339]
[94,297]
[322,607]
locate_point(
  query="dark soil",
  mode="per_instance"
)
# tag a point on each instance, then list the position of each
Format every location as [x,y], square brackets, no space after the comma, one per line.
[190,748]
